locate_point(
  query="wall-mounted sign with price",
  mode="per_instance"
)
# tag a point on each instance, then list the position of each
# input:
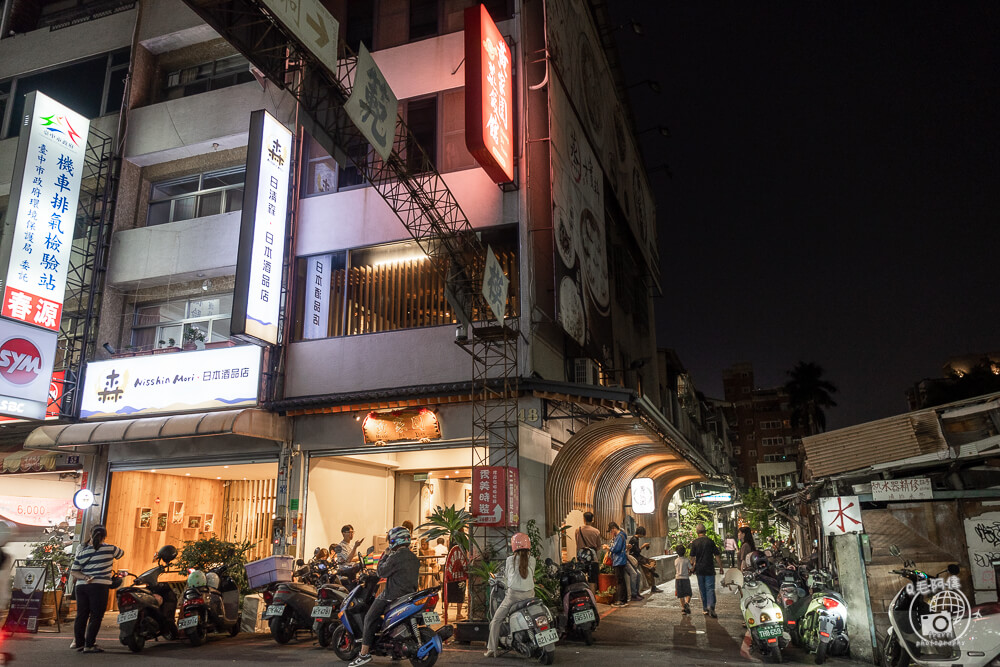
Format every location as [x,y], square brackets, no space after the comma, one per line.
[496,496]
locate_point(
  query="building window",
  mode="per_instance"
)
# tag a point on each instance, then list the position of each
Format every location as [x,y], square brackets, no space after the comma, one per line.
[737,450]
[93,87]
[770,424]
[196,196]
[748,422]
[772,442]
[384,288]
[753,453]
[213,75]
[204,319]
[359,24]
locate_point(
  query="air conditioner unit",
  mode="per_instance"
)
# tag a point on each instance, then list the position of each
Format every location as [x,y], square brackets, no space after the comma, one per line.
[585,371]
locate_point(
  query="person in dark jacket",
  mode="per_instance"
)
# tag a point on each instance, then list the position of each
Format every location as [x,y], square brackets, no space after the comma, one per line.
[635,550]
[400,568]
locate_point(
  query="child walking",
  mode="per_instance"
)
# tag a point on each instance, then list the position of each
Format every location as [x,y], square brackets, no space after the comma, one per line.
[682,579]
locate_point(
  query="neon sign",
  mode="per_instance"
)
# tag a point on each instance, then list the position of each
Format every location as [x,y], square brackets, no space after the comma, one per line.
[489,126]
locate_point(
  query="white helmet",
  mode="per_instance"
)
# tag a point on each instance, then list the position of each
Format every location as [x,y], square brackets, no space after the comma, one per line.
[212,580]
[196,579]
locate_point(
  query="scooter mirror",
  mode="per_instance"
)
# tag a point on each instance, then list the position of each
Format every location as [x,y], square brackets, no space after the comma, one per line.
[894,550]
[370,551]
[953,569]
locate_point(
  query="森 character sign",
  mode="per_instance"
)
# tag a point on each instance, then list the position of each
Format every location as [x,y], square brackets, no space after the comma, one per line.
[46,188]
[489,122]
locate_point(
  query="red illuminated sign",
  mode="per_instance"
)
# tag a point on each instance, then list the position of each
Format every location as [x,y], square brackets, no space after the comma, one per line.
[56,387]
[489,125]
[496,496]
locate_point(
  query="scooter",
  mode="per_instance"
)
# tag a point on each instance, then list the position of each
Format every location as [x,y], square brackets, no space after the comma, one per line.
[931,622]
[329,597]
[290,606]
[529,627]
[210,604]
[146,608]
[404,632]
[579,603]
[761,613]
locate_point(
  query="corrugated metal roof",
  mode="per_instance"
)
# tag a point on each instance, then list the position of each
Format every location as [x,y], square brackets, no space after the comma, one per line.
[864,445]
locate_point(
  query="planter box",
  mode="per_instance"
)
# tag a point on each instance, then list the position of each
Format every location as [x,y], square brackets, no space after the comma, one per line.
[606,581]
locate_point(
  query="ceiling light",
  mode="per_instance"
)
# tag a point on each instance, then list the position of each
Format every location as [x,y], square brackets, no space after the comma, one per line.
[152,471]
[458,471]
[187,474]
[218,478]
[225,466]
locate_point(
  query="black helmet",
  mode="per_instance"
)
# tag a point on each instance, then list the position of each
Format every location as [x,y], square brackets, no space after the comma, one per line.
[756,562]
[585,555]
[167,553]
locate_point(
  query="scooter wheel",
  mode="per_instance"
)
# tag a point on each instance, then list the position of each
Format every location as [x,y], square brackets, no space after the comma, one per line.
[821,653]
[134,641]
[235,630]
[773,655]
[324,634]
[282,630]
[344,645]
[893,654]
[548,656]
[588,637]
[197,636]
[426,634]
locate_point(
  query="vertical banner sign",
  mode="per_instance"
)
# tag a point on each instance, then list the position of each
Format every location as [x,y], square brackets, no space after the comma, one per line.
[496,496]
[46,187]
[315,322]
[372,105]
[257,296]
[495,284]
[489,98]
[26,599]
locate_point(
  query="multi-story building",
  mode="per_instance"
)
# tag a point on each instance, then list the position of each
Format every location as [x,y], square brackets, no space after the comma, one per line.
[357,406]
[766,445]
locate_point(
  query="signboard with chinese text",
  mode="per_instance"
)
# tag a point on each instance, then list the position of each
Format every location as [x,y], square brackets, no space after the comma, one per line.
[261,255]
[456,565]
[841,515]
[316,318]
[183,381]
[643,498]
[312,24]
[489,98]
[44,193]
[495,496]
[29,511]
[383,427]
[54,408]
[26,599]
[495,285]
[372,105]
[27,355]
[916,488]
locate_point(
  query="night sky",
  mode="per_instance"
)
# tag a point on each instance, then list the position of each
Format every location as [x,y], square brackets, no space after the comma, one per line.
[836,187]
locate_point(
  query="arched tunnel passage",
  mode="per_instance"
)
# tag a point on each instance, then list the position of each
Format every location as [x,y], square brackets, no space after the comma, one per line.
[593,470]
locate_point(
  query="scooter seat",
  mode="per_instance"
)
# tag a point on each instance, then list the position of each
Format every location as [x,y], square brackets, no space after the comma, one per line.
[409,597]
[517,606]
[986,609]
[301,588]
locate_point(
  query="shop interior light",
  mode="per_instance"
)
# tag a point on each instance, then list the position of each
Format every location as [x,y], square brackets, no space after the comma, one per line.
[187,474]
[225,466]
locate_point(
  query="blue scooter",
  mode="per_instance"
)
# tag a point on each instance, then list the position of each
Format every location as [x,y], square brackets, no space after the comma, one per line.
[404,632]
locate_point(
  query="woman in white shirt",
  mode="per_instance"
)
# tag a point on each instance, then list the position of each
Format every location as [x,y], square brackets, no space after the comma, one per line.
[519,576]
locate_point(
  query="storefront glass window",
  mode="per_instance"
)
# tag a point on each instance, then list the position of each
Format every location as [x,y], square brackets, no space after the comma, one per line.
[176,323]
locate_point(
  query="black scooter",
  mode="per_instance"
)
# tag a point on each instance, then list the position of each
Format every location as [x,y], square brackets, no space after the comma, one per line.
[207,608]
[579,617]
[290,604]
[330,595]
[146,608]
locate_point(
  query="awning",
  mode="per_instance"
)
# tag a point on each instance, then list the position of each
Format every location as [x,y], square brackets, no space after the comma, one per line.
[28,461]
[251,423]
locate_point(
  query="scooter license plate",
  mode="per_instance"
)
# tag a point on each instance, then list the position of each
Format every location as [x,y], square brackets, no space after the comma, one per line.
[325,611]
[274,610]
[768,631]
[431,618]
[187,622]
[585,616]
[546,637]
[127,616]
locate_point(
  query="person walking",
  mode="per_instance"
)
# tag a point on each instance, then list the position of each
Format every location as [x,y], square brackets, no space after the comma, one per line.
[588,537]
[730,548]
[619,561]
[519,577]
[682,580]
[643,564]
[746,546]
[704,555]
[92,569]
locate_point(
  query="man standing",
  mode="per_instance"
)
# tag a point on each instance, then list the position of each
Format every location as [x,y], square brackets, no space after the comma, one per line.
[588,537]
[345,550]
[705,554]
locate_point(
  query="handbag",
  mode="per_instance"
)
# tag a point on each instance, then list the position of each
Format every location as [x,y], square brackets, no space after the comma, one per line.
[116,581]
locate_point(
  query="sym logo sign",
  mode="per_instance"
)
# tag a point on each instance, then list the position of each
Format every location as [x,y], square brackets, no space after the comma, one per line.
[20,361]
[27,355]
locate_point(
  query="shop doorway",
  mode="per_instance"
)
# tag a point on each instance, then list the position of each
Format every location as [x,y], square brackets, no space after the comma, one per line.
[147,509]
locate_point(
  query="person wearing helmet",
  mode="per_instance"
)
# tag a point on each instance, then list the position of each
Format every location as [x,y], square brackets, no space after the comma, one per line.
[400,568]
[92,568]
[519,577]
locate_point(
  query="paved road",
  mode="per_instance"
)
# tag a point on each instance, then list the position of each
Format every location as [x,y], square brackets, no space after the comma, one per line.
[651,632]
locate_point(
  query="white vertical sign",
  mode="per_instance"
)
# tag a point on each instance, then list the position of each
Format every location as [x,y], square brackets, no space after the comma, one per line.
[317,297]
[257,298]
[372,105]
[50,167]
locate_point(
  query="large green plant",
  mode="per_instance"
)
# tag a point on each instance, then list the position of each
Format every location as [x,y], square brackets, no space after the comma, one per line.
[210,552]
[52,549]
[689,516]
[759,511]
[449,522]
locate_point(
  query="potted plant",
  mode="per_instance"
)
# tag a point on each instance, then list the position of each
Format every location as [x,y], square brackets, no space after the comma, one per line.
[451,523]
[207,553]
[53,549]
[608,596]
[606,577]
[193,336]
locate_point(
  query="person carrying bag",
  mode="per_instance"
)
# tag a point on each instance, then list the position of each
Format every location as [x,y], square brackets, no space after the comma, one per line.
[91,570]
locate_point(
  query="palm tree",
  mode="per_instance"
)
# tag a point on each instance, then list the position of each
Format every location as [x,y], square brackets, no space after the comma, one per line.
[809,394]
